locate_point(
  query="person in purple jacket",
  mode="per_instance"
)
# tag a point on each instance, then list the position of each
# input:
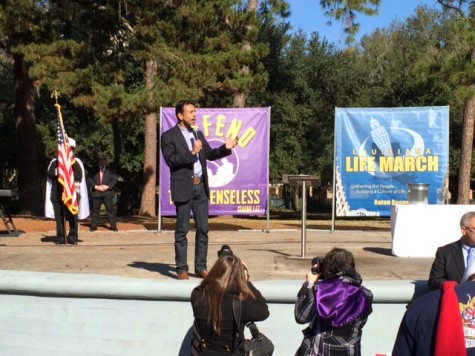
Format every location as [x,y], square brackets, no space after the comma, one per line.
[335,304]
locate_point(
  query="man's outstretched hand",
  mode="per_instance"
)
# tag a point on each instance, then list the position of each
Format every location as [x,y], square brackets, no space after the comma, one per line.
[231,142]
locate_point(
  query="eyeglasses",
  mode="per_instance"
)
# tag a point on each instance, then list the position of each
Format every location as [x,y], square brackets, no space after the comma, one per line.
[471,229]
[102,159]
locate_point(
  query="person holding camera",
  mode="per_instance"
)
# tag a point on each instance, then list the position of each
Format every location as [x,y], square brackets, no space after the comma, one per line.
[212,301]
[335,304]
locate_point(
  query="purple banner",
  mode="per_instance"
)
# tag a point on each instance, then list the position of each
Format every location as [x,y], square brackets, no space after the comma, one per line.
[239,182]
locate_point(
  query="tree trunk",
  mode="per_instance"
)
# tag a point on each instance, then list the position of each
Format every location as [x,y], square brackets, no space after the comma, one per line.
[465,168]
[147,205]
[29,192]
[239,99]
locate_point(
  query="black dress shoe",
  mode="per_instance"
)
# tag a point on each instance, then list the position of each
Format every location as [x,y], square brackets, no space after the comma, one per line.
[59,241]
[93,229]
[115,229]
[73,240]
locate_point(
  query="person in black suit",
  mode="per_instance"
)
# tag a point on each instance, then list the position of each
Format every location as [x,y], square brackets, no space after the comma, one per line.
[451,260]
[102,184]
[186,151]
[60,210]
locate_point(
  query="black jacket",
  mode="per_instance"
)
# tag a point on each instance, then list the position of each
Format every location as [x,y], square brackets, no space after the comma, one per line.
[109,178]
[250,311]
[56,187]
[180,160]
[448,265]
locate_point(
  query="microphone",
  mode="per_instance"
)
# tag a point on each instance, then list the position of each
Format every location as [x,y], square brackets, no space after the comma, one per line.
[195,135]
[195,131]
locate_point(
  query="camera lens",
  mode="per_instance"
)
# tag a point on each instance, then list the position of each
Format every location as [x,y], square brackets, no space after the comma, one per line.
[317,265]
[225,250]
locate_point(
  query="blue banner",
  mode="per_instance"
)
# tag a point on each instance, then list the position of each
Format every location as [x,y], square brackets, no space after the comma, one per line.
[382,152]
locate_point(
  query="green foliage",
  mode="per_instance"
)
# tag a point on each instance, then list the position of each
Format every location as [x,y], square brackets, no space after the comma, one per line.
[310,80]
[7,123]
[347,12]
[95,54]
[397,66]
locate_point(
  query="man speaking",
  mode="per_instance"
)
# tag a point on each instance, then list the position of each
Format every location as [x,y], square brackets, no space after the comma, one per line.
[186,152]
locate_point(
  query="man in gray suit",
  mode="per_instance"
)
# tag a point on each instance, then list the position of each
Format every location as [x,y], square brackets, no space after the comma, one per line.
[450,260]
[186,151]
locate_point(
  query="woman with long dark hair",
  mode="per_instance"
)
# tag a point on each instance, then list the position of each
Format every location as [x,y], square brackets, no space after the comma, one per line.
[337,307]
[212,303]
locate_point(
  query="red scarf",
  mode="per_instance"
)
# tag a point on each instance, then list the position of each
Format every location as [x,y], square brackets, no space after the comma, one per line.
[450,339]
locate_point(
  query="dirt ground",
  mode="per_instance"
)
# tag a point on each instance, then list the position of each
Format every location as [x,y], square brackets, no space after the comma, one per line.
[35,224]
[39,224]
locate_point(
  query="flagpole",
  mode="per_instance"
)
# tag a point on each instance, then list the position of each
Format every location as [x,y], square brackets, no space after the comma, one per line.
[56,94]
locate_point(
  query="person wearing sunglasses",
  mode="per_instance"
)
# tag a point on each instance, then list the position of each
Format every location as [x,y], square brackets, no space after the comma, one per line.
[452,259]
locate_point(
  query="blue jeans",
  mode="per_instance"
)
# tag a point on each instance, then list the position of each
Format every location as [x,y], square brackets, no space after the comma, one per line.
[198,203]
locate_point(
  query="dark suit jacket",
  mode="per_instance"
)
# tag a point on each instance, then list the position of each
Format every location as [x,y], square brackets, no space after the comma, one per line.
[448,265]
[109,178]
[180,160]
[56,187]
[417,331]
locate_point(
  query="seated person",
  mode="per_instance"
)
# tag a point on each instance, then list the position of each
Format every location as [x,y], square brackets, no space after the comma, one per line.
[450,260]
[440,322]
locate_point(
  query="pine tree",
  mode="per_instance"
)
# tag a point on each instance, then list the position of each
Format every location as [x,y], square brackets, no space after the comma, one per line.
[22,23]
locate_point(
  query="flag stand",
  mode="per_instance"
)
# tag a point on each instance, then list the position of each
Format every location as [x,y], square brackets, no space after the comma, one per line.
[65,170]
[64,223]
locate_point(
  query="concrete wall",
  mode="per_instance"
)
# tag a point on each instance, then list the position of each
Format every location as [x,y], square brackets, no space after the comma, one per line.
[71,314]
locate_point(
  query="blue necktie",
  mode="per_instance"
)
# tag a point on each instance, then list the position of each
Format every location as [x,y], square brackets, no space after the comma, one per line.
[192,144]
[470,256]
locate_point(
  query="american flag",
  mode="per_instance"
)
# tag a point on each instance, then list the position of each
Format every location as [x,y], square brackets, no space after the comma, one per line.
[65,166]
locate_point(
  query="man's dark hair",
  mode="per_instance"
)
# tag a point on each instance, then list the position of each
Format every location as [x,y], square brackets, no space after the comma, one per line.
[180,105]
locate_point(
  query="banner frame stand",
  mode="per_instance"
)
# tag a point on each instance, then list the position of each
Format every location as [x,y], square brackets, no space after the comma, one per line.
[159,213]
[268,195]
[332,228]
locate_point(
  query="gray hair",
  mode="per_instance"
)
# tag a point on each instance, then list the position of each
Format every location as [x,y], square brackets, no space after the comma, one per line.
[465,220]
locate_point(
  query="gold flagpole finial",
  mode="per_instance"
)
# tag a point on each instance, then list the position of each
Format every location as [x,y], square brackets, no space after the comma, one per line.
[55,94]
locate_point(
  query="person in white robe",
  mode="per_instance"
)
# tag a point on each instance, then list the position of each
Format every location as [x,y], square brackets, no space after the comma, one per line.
[81,188]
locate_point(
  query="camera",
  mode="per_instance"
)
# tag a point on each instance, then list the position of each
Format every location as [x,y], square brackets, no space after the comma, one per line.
[225,250]
[318,261]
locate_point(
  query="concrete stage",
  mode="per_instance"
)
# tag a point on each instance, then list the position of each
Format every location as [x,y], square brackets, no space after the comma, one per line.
[116,293]
[147,254]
